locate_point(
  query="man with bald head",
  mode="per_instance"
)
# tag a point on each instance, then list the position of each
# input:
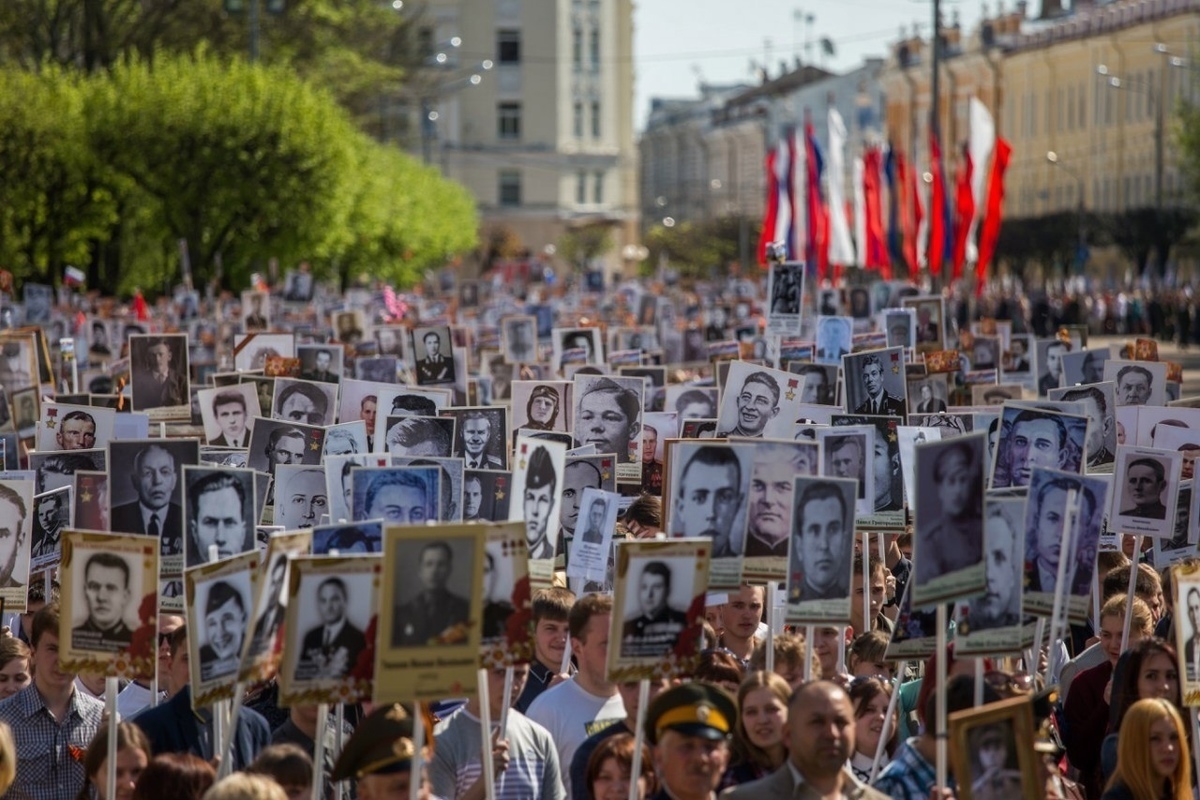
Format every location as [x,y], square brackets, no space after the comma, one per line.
[820,732]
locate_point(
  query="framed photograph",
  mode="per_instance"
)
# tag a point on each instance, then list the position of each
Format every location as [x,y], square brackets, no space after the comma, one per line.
[1049,540]
[1017,362]
[72,427]
[608,414]
[52,514]
[900,325]
[1185,579]
[220,598]
[821,550]
[848,451]
[785,288]
[758,402]
[538,470]
[1031,438]
[264,649]
[433,356]
[404,495]
[437,616]
[251,350]
[1139,383]
[576,346]
[658,608]
[159,375]
[519,339]
[487,495]
[150,502]
[859,298]
[346,439]
[110,604]
[948,520]
[833,339]
[274,442]
[401,401]
[991,752]
[875,384]
[256,311]
[18,363]
[333,602]
[708,488]
[985,353]
[348,326]
[1146,489]
[480,436]
[769,505]
[506,637]
[592,541]
[377,369]
[304,401]
[320,363]
[1084,366]
[218,504]
[931,322]
[541,405]
[990,623]
[928,394]
[228,413]
[25,411]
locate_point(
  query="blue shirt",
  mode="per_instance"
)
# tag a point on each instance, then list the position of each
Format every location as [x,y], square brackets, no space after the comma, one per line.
[909,776]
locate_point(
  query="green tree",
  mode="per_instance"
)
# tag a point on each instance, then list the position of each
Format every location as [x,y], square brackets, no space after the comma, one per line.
[53,202]
[700,249]
[236,159]
[580,245]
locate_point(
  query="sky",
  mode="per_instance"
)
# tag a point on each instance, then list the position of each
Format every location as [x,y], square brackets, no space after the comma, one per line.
[675,40]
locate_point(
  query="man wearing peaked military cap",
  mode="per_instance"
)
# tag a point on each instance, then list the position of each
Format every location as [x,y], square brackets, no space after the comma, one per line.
[689,726]
[379,755]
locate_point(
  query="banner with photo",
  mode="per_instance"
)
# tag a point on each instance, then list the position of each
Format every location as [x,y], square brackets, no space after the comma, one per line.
[821,550]
[264,646]
[990,624]
[330,629]
[429,629]
[658,609]
[109,620]
[219,599]
[507,635]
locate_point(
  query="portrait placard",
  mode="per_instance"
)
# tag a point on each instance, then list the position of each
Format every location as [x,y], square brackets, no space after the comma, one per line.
[256,311]
[1146,490]
[915,633]
[507,636]
[990,624]
[345,538]
[340,486]
[274,442]
[429,629]
[709,485]
[1185,579]
[264,646]
[593,534]
[847,450]
[346,438]
[220,598]
[758,402]
[887,506]
[450,483]
[658,608]
[608,414]
[1139,383]
[875,383]
[304,401]
[785,288]
[19,370]
[931,328]
[538,477]
[329,633]
[518,337]
[159,375]
[150,502]
[948,553]
[251,350]
[541,405]
[433,355]
[301,496]
[218,506]
[110,604]
[1098,401]
[576,345]
[833,339]
[1034,437]
[992,756]
[397,495]
[480,436]
[820,550]
[71,427]
[320,363]
[486,495]
[228,413]
[90,500]
[53,513]
[1084,366]
[1184,535]
[769,504]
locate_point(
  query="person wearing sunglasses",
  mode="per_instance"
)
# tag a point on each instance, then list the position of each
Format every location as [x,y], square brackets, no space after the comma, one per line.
[136,695]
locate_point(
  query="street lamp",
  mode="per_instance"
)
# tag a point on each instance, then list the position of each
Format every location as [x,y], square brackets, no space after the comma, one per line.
[1053,158]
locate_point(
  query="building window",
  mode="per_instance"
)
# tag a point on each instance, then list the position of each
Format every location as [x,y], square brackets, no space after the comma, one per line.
[598,189]
[509,181]
[581,187]
[578,120]
[594,49]
[508,121]
[508,46]
[425,42]
[577,48]
[596,119]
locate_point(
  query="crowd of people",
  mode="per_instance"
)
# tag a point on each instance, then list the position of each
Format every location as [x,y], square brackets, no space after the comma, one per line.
[767,709]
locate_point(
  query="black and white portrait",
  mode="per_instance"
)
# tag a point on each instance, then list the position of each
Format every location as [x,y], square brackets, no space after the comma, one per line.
[1049,362]
[52,514]
[333,611]
[848,452]
[480,437]
[220,617]
[758,402]
[1004,560]
[108,587]
[1084,366]
[1145,490]
[930,328]
[1139,383]
[274,442]
[407,435]
[429,608]
[219,508]
[875,383]
[256,311]
[519,339]
[821,551]
[16,503]
[928,394]
[449,481]
[228,413]
[995,394]
[538,485]
[301,497]
[377,369]
[389,340]
[159,371]
[785,289]
[433,356]
[71,427]
[348,438]
[709,484]
[1032,438]
[833,338]
[396,495]
[541,405]
[251,350]
[900,325]
[948,541]
[18,367]
[348,326]
[657,593]
[1099,403]
[769,502]
[608,414]
[486,495]
[320,363]
[594,529]
[151,500]
[357,538]
[304,401]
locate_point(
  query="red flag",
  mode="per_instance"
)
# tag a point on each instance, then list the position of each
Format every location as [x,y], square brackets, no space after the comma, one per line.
[818,216]
[935,251]
[876,256]
[964,211]
[991,218]
[768,226]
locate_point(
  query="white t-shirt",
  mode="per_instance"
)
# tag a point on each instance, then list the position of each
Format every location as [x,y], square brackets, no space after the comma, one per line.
[572,715]
[132,699]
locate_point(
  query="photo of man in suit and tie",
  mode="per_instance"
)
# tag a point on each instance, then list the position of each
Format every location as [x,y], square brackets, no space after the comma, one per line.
[156,511]
[422,617]
[475,442]
[330,649]
[874,399]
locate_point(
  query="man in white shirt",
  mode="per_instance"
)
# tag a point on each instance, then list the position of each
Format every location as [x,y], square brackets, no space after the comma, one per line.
[575,709]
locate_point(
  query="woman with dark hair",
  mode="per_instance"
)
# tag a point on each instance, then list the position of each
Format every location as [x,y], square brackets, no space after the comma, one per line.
[1148,669]
[759,744]
[178,776]
[610,768]
[133,754]
[871,698]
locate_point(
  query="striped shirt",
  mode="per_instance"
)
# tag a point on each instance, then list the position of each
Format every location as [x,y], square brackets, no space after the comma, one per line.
[533,769]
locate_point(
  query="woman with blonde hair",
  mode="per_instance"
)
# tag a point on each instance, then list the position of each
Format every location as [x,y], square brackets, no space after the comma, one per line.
[1153,762]
[8,758]
[245,786]
[759,743]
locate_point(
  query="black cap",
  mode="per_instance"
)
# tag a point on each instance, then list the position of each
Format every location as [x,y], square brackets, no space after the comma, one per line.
[693,709]
[381,744]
